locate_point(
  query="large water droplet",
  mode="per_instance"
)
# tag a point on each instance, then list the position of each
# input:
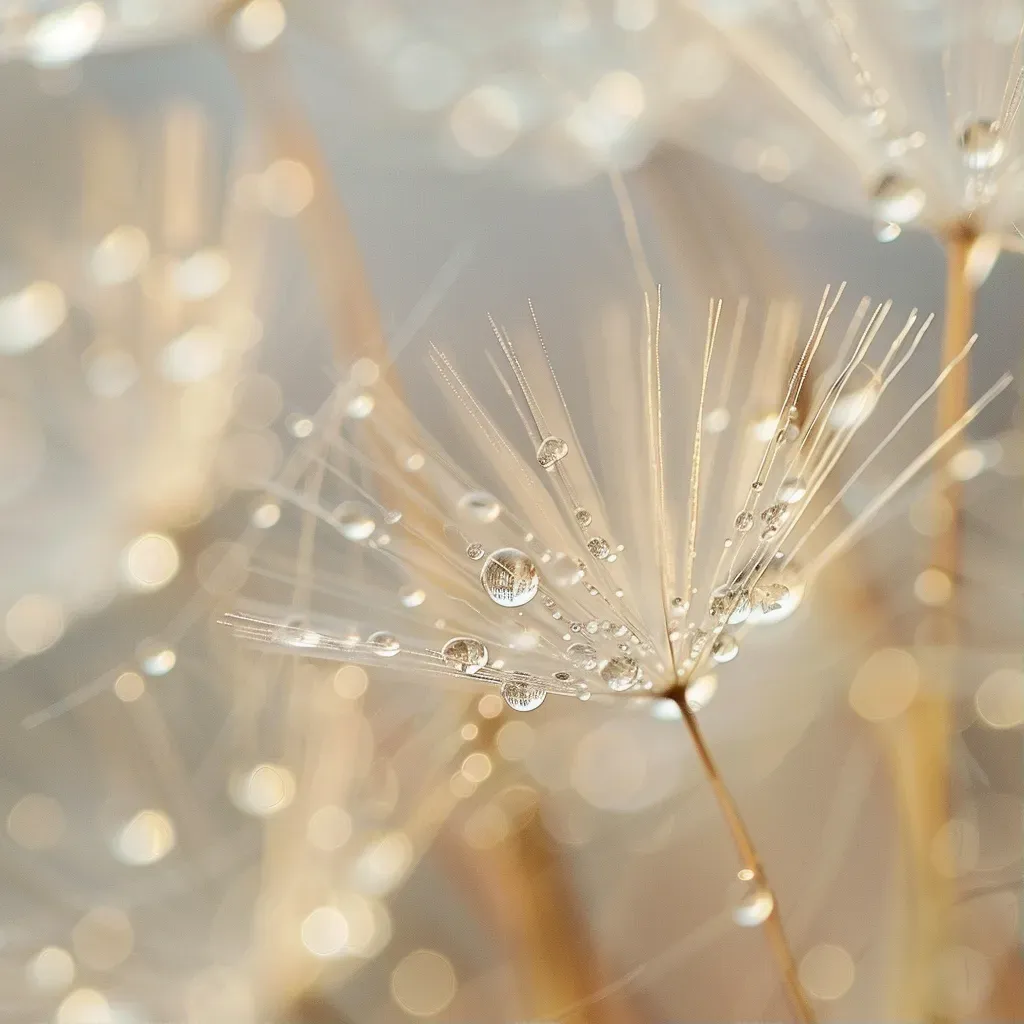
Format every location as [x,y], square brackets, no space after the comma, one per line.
[522,696]
[754,905]
[384,644]
[465,654]
[775,515]
[483,507]
[792,489]
[550,451]
[582,656]
[897,198]
[981,145]
[354,521]
[620,673]
[730,604]
[725,648]
[510,578]
[598,547]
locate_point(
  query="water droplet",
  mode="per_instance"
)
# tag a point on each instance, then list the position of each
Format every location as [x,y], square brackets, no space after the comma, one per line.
[744,521]
[886,231]
[354,521]
[384,645]
[792,489]
[465,654]
[772,596]
[598,547]
[981,145]
[775,515]
[510,578]
[483,507]
[754,905]
[360,406]
[582,656]
[583,517]
[392,516]
[475,551]
[565,571]
[522,696]
[725,648]
[897,199]
[562,677]
[550,451]
[583,695]
[620,673]
[730,604]
[157,659]
[412,596]
[694,643]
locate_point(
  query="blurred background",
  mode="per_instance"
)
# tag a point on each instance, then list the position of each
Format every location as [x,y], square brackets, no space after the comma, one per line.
[208,213]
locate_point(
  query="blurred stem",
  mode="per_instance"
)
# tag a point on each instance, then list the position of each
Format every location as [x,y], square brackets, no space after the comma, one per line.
[749,858]
[921,741]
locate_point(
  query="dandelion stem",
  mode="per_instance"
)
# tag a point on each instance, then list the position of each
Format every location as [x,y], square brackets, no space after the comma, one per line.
[749,857]
[922,742]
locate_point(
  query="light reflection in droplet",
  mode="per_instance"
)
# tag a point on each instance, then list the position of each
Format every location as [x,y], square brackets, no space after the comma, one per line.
[150,561]
[145,839]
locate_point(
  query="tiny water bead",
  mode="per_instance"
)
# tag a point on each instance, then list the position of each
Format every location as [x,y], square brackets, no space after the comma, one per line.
[354,521]
[792,489]
[598,547]
[725,648]
[481,506]
[384,645]
[744,521]
[754,904]
[510,578]
[465,653]
[583,517]
[475,551]
[522,696]
[897,198]
[582,656]
[620,673]
[551,451]
[981,145]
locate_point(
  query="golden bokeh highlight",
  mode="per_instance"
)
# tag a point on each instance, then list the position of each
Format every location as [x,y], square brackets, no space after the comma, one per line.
[885,685]
[999,700]
[36,822]
[423,984]
[827,972]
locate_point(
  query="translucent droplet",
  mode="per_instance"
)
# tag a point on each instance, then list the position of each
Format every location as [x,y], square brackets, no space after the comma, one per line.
[475,551]
[157,659]
[744,521]
[354,521]
[582,656]
[981,145]
[510,578]
[412,596]
[583,517]
[620,673]
[522,696]
[754,905]
[694,643]
[360,407]
[550,451]
[385,645]
[730,604]
[772,596]
[565,571]
[725,648]
[792,489]
[775,515]
[465,654]
[598,547]
[392,516]
[483,507]
[886,231]
[897,199]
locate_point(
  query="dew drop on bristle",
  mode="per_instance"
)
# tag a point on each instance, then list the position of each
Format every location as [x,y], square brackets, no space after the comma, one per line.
[475,551]
[897,198]
[598,547]
[792,489]
[412,596]
[981,145]
[583,656]
[385,645]
[620,673]
[550,451]
[522,696]
[583,517]
[481,506]
[354,522]
[510,578]
[754,905]
[725,648]
[465,653]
